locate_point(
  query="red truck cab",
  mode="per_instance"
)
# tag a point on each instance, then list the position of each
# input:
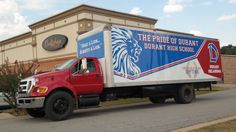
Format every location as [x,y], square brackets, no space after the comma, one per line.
[77,80]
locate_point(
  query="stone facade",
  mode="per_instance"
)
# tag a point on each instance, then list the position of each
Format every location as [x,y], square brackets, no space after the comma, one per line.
[70,23]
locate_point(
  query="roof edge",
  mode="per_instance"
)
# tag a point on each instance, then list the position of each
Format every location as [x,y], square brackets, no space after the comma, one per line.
[16,38]
[86,7]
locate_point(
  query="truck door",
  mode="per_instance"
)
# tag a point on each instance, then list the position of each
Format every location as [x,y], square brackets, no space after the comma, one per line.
[89,81]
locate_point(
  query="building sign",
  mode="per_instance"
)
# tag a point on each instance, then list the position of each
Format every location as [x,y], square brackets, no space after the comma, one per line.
[55,42]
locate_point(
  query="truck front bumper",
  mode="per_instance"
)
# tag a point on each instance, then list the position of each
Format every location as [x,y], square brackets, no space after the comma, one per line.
[36,102]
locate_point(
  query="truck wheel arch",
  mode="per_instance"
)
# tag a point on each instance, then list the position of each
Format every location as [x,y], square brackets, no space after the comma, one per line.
[65,90]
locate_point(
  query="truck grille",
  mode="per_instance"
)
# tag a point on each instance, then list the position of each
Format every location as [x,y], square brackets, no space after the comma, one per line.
[24,86]
[23,82]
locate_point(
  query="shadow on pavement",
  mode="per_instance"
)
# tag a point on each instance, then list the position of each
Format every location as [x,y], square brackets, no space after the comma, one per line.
[84,113]
[106,110]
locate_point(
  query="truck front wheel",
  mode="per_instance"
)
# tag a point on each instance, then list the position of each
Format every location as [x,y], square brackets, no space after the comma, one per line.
[185,94]
[36,112]
[59,106]
[157,100]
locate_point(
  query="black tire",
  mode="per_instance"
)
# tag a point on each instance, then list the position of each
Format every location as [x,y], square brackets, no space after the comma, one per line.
[157,100]
[36,112]
[185,94]
[59,106]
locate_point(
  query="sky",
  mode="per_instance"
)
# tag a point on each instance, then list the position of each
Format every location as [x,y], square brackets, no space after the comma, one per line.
[208,18]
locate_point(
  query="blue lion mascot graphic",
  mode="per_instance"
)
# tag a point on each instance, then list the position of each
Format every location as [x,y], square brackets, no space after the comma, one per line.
[126,52]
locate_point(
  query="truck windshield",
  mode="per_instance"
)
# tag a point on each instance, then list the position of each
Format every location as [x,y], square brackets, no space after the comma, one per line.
[66,65]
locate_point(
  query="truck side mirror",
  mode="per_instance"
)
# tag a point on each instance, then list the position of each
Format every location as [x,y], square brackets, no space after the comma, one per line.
[35,71]
[84,64]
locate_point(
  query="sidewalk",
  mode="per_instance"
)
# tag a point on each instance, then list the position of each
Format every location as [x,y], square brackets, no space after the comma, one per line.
[225,85]
[5,116]
[205,124]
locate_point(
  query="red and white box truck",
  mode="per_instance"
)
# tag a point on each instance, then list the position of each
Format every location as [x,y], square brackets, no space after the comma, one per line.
[124,62]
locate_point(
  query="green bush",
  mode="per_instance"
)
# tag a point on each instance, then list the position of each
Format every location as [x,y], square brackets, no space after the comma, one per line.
[10,75]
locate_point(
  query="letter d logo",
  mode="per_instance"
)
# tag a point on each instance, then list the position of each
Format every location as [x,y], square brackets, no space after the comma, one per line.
[213,52]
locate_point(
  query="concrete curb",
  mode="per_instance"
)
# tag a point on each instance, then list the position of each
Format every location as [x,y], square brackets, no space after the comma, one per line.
[205,124]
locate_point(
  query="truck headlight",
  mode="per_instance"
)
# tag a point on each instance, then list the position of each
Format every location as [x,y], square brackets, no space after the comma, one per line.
[41,90]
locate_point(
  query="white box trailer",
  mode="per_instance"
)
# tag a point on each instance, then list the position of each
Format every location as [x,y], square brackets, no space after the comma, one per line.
[140,57]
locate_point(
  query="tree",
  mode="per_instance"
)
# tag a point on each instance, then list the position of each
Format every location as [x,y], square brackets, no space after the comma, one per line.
[228,50]
[10,75]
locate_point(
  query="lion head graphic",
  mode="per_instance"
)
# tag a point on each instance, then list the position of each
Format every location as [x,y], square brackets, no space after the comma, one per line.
[125,51]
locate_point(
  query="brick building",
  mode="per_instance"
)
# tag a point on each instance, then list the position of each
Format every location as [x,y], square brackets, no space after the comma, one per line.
[229,68]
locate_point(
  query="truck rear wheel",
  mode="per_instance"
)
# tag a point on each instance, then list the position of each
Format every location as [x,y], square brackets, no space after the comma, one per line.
[36,112]
[185,94]
[59,106]
[157,100]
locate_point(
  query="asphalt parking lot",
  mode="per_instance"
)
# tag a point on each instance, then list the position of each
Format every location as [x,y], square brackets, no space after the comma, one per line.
[133,118]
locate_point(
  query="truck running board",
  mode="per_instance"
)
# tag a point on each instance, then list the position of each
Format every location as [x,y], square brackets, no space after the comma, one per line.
[88,100]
